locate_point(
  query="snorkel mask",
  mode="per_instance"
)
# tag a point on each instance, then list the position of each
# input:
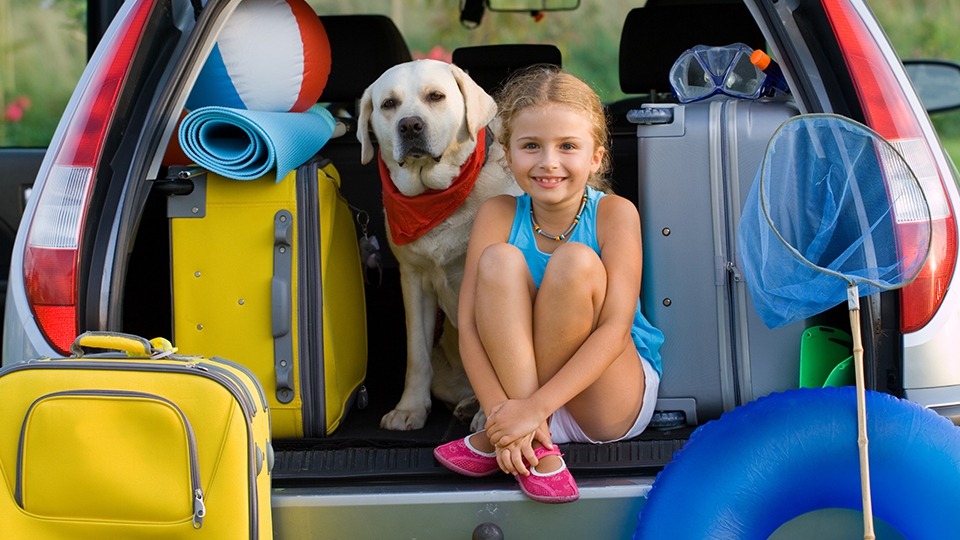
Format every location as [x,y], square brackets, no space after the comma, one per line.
[703,71]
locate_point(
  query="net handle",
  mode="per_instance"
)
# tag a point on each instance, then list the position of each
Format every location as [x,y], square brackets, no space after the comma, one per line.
[853,301]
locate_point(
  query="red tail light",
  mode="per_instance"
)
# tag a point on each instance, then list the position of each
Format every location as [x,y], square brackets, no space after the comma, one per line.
[888,111]
[51,260]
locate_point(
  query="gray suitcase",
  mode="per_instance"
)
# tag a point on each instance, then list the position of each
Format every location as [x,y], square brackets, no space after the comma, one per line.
[695,171]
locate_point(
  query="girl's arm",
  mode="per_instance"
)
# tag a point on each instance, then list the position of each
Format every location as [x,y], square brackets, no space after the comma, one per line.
[618,235]
[491,226]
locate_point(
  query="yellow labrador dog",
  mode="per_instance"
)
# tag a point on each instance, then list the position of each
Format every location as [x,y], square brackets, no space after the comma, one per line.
[438,162]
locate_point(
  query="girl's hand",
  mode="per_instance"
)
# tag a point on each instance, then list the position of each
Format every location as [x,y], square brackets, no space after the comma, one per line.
[515,457]
[511,457]
[511,420]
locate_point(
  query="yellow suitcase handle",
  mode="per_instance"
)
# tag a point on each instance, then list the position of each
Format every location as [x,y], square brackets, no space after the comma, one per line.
[128,343]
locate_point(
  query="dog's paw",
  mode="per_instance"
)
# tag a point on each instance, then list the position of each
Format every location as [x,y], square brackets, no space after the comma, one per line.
[466,410]
[478,421]
[404,419]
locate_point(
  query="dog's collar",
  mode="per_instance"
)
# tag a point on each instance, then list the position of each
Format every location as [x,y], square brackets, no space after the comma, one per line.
[488,138]
[411,217]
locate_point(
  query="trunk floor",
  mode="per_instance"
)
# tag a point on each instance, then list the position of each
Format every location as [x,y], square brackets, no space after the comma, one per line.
[360,451]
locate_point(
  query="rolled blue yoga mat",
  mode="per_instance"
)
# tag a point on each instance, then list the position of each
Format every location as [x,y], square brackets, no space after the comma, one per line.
[244,145]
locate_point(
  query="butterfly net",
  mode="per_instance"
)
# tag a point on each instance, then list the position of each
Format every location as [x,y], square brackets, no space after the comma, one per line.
[834,205]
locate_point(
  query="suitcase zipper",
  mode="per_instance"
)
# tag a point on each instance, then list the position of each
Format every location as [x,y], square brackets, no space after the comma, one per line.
[718,159]
[247,404]
[236,380]
[250,375]
[199,510]
[248,411]
[310,300]
[196,369]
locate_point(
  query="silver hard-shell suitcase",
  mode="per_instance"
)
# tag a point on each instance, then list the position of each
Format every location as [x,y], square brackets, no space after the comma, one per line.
[696,164]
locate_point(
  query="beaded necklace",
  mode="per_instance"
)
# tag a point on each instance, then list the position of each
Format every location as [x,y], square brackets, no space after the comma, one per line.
[566,233]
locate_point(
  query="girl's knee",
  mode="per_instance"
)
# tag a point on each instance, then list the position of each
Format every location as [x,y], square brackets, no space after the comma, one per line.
[500,260]
[575,276]
[574,261]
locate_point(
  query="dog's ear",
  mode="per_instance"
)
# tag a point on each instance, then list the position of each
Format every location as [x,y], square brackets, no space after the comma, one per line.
[480,107]
[364,125]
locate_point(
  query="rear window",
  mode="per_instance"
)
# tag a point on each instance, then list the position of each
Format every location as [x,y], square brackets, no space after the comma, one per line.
[588,37]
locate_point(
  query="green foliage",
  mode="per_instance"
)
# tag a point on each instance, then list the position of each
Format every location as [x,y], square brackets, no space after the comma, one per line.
[42,45]
[952,146]
[921,28]
[42,54]
[925,29]
[75,11]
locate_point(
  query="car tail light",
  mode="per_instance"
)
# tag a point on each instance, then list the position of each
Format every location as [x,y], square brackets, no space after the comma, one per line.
[51,260]
[887,110]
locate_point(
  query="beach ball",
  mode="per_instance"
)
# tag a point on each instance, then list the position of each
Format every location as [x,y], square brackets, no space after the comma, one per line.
[272,55]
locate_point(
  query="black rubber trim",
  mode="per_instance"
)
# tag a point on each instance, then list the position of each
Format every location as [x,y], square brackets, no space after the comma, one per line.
[373,464]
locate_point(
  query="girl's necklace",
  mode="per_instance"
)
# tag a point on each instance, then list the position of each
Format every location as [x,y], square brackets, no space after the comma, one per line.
[566,233]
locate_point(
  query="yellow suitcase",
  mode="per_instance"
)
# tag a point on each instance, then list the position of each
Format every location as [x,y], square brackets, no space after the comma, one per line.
[268,274]
[119,446]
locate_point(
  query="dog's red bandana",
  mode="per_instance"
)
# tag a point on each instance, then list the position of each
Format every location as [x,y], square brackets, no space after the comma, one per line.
[411,217]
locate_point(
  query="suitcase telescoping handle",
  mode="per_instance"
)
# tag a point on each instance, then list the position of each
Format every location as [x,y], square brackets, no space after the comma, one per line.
[116,341]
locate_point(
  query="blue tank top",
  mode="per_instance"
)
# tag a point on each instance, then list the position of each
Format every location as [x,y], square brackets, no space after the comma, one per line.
[646,337]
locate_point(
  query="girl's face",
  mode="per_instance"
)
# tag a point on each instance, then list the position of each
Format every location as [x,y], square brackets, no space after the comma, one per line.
[552,153]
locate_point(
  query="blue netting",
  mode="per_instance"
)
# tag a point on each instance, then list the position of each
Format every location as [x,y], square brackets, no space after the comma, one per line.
[833,204]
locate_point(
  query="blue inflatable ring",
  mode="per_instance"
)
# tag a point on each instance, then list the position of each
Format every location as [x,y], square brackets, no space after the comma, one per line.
[767,462]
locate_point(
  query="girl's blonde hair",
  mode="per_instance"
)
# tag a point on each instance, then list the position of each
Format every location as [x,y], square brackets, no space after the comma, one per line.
[545,84]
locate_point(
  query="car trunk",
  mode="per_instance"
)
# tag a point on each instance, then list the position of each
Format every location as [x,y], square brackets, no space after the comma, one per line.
[389,479]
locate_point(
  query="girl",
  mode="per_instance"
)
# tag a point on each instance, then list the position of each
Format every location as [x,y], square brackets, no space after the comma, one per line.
[551,333]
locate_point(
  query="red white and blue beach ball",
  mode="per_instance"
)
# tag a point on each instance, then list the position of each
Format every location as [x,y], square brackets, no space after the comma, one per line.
[273,55]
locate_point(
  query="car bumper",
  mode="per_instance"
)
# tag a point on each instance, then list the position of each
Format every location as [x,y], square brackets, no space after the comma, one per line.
[607,508]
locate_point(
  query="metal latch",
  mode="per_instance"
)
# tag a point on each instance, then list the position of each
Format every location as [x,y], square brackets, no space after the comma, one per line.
[734,271]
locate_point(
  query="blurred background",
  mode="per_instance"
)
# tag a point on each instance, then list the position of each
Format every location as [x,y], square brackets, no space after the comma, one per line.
[43,47]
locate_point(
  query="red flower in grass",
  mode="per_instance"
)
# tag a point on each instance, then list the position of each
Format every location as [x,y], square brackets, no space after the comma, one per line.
[14,111]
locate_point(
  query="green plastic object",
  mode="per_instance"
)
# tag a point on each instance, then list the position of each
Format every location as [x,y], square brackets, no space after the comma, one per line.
[826,357]
[842,375]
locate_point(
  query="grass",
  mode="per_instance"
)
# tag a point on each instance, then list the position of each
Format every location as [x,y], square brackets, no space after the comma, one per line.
[952,146]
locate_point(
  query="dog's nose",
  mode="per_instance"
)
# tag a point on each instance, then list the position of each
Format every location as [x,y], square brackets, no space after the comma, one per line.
[410,127]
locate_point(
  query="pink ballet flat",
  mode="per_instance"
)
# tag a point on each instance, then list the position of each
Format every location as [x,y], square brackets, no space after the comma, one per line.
[553,487]
[460,456]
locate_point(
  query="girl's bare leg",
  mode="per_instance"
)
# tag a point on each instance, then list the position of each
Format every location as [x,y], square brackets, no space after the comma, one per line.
[504,316]
[567,307]
[529,335]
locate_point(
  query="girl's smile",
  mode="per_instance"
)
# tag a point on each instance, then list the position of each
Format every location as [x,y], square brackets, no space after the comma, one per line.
[548,181]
